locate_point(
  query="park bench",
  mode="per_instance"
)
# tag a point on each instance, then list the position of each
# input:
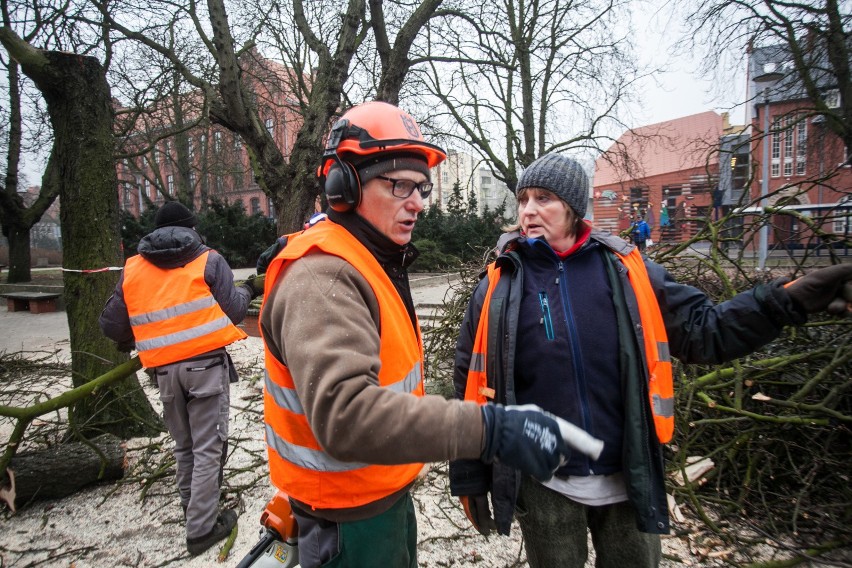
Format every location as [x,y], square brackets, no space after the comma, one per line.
[35,302]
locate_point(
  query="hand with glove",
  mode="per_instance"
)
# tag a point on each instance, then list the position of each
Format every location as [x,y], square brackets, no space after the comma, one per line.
[531,440]
[266,256]
[826,289]
[126,346]
[254,284]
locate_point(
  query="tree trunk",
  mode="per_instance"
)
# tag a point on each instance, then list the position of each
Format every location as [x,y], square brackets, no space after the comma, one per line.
[62,470]
[79,104]
[19,254]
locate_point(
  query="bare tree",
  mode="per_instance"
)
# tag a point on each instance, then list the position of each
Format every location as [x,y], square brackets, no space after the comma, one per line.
[78,101]
[520,79]
[319,50]
[16,218]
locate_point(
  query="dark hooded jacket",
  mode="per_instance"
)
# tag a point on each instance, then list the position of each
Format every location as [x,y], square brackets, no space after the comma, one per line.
[173,247]
[565,334]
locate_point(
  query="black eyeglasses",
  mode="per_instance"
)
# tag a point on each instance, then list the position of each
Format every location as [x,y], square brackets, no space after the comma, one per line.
[403,188]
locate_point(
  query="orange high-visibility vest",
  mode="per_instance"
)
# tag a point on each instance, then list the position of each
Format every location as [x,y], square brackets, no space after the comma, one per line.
[657,356]
[298,465]
[173,313]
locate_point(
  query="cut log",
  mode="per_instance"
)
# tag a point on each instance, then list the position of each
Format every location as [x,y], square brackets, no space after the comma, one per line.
[62,470]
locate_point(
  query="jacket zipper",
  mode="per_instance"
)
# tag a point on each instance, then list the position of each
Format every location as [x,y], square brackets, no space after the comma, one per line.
[579,369]
[545,316]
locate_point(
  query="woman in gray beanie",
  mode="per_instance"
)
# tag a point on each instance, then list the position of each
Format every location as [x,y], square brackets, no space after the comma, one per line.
[581,324]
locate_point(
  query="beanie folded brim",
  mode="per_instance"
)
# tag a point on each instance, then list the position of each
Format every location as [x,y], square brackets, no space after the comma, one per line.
[384,163]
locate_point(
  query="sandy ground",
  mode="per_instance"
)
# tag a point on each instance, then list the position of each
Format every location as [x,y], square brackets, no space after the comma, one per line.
[138,521]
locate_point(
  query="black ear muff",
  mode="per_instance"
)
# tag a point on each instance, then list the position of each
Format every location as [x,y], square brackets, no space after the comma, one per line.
[342,187]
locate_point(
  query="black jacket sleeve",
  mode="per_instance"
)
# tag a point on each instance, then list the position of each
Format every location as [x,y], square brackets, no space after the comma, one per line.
[700,331]
[234,300]
[114,320]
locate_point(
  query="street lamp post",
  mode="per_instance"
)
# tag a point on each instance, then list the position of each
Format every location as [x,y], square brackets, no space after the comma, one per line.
[767,79]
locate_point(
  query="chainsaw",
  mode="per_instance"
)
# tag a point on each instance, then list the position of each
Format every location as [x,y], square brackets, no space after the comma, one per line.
[278,546]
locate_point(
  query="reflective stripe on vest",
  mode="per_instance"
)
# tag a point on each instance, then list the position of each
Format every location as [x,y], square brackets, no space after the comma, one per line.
[172,312]
[298,465]
[657,355]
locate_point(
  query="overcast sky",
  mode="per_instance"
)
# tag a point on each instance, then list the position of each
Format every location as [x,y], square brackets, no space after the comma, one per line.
[680,91]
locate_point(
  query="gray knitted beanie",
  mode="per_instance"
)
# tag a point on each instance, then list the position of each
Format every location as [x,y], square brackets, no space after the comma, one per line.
[563,176]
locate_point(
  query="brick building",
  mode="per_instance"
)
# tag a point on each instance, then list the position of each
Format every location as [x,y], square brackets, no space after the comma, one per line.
[177,153]
[667,172]
[808,166]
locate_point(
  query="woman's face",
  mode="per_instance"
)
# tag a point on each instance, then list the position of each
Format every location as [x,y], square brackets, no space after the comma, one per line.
[542,214]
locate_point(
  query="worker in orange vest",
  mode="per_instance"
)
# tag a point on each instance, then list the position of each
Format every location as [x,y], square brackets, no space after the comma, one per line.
[177,305]
[576,321]
[348,424]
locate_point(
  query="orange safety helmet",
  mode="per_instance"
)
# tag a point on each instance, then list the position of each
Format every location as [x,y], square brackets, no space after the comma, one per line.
[376,127]
[365,131]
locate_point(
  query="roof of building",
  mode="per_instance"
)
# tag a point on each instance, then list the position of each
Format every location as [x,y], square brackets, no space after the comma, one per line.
[671,146]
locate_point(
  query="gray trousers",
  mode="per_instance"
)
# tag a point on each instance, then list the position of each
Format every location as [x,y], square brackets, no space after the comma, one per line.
[555,532]
[196,398]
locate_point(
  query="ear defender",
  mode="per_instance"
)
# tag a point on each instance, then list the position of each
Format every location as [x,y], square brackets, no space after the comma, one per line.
[342,186]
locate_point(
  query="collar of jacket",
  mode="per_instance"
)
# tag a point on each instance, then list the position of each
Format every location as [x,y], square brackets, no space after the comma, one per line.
[510,241]
[171,247]
[389,254]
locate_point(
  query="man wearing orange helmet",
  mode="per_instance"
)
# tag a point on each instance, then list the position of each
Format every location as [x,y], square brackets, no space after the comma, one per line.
[348,424]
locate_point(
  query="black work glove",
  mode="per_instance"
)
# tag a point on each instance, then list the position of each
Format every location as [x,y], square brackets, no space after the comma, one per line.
[827,289]
[478,513]
[254,284]
[266,256]
[126,346]
[523,437]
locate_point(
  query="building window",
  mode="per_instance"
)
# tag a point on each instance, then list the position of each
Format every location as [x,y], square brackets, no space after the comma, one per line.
[149,190]
[788,146]
[843,224]
[170,184]
[776,149]
[255,205]
[192,180]
[156,154]
[220,184]
[637,192]
[832,98]
[270,126]
[217,141]
[238,144]
[190,148]
[168,153]
[202,143]
[801,146]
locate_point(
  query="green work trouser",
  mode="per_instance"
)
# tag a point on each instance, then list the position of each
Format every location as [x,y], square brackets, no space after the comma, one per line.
[388,539]
[555,532]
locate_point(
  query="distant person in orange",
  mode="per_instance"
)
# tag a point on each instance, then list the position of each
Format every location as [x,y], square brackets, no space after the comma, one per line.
[177,305]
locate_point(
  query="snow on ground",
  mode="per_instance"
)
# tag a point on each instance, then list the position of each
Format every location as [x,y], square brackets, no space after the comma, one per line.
[140,524]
